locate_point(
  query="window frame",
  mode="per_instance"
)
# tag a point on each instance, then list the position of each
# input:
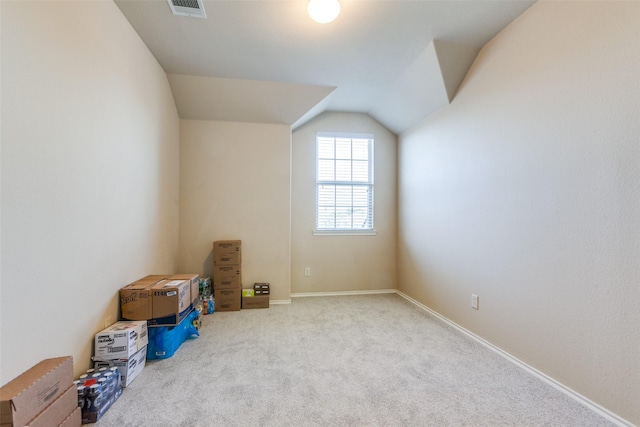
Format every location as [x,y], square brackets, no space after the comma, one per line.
[370,183]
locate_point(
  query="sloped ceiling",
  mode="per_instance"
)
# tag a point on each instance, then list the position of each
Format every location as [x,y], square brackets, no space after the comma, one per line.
[266,61]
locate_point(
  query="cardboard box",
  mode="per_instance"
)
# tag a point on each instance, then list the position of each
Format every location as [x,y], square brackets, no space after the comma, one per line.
[56,413]
[261,289]
[227,276]
[135,298]
[121,340]
[135,301]
[227,252]
[227,299]
[258,301]
[171,302]
[163,302]
[27,395]
[73,420]
[129,368]
[194,279]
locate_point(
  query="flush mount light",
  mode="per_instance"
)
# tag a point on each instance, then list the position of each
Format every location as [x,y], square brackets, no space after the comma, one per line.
[323,11]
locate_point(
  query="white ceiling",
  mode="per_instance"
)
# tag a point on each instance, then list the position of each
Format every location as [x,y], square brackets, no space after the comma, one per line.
[266,61]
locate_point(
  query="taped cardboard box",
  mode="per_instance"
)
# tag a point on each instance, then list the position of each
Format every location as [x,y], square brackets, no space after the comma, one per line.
[227,299]
[129,368]
[171,302]
[194,279]
[256,301]
[121,340]
[161,302]
[59,409]
[227,276]
[227,252]
[24,397]
[135,298]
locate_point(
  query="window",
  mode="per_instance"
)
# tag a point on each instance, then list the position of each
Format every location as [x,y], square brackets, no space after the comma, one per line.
[344,183]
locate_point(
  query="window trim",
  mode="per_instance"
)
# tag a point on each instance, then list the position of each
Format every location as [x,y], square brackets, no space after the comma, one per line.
[370,163]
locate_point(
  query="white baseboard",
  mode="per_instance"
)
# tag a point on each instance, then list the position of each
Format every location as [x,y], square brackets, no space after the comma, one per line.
[531,370]
[341,293]
[279,301]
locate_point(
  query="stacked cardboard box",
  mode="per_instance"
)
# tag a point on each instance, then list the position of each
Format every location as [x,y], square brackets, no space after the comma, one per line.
[42,396]
[162,300]
[227,275]
[122,345]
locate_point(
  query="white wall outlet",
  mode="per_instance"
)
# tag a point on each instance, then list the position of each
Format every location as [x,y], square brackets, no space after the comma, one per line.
[307,271]
[474,301]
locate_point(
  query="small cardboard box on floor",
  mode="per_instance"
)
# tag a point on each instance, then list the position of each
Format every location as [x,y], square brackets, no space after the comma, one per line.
[34,390]
[58,411]
[129,368]
[257,297]
[256,301]
[227,299]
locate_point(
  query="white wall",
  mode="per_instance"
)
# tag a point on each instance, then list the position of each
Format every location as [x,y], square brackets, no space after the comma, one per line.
[525,191]
[342,263]
[235,184]
[90,139]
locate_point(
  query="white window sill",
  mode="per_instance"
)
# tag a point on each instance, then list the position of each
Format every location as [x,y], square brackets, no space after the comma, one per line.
[345,232]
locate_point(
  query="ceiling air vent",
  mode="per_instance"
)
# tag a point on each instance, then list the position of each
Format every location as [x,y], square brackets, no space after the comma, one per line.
[193,8]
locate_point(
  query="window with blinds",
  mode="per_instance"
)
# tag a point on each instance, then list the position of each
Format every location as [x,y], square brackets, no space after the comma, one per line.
[344,182]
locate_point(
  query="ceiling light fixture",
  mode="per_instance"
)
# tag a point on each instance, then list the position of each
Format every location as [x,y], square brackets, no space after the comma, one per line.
[323,11]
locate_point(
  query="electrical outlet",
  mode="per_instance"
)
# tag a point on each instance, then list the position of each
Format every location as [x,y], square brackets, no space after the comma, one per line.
[474,301]
[307,271]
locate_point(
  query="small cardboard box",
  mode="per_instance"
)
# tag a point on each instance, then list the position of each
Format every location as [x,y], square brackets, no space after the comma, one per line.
[194,279]
[27,395]
[170,297]
[135,301]
[129,368]
[227,252]
[121,340]
[59,409]
[258,301]
[227,276]
[261,288]
[227,299]
[73,420]
[135,298]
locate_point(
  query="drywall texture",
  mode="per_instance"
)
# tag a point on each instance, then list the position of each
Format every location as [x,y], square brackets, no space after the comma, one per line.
[342,263]
[525,191]
[90,144]
[234,184]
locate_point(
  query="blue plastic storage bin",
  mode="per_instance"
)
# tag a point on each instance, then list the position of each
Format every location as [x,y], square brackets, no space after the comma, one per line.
[165,340]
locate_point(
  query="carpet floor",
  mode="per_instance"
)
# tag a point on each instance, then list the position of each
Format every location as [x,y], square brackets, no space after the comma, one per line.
[365,360]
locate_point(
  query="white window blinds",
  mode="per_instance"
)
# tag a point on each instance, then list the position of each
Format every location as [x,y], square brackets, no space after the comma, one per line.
[344,182]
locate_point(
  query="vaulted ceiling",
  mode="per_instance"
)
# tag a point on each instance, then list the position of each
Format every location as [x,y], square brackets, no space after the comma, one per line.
[266,61]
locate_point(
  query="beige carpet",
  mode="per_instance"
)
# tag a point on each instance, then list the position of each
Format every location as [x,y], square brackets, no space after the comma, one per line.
[371,360]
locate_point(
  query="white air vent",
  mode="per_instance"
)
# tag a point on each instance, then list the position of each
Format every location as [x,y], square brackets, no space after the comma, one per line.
[193,8]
